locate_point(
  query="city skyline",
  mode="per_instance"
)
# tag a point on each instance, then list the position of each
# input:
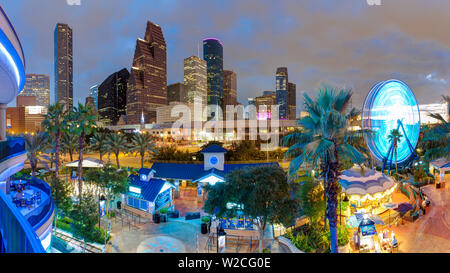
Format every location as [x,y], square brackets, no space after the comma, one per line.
[414,43]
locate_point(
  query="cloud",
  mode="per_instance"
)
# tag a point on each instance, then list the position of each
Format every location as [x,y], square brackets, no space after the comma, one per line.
[345,43]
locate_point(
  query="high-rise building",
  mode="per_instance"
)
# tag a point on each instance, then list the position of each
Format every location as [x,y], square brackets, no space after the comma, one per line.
[90,101]
[270,93]
[291,101]
[213,55]
[112,97]
[38,86]
[263,105]
[25,119]
[148,81]
[177,92]
[281,81]
[26,101]
[195,79]
[63,65]
[229,88]
[93,92]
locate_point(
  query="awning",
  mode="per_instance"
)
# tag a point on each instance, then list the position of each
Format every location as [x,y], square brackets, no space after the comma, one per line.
[88,162]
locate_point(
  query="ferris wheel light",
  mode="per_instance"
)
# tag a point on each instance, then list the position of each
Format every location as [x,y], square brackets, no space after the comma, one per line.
[386,105]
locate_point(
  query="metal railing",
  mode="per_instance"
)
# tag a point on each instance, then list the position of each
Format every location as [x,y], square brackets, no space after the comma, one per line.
[16,233]
[12,147]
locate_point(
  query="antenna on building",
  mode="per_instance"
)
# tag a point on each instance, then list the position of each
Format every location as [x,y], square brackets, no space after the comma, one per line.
[198,49]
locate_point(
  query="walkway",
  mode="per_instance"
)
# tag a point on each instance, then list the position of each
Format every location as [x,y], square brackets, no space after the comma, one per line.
[430,233]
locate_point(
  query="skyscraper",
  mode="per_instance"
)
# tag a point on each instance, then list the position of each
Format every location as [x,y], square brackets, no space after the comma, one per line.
[148,81]
[38,86]
[195,79]
[112,97]
[63,65]
[229,88]
[213,55]
[176,92]
[93,92]
[281,81]
[291,101]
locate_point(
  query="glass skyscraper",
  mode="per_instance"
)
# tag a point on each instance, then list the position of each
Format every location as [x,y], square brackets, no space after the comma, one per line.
[39,86]
[93,91]
[213,55]
[63,65]
[281,91]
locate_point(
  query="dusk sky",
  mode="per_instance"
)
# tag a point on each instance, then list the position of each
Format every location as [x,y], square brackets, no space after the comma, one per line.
[344,43]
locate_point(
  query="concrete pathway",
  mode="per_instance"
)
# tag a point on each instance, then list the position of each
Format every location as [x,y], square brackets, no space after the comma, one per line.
[430,233]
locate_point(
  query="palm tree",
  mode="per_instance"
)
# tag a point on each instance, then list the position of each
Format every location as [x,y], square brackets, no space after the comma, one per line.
[395,137]
[55,124]
[35,144]
[81,124]
[70,143]
[324,143]
[143,143]
[436,139]
[117,143]
[98,142]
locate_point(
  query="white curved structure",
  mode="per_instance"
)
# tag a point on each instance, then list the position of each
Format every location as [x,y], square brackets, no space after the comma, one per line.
[12,67]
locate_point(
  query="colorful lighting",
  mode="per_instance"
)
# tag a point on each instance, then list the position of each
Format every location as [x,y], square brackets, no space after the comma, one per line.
[387,103]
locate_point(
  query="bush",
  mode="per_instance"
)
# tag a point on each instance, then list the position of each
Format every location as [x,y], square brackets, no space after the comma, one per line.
[63,225]
[266,250]
[98,236]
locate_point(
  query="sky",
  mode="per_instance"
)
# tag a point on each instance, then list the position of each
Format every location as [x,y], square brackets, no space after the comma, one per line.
[343,44]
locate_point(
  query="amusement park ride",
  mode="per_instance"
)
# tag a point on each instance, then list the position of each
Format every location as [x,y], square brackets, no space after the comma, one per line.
[391,105]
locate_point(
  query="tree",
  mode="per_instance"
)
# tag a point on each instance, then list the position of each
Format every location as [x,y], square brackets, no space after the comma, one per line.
[55,124]
[394,137]
[436,137]
[323,143]
[98,142]
[142,144]
[109,180]
[81,124]
[85,216]
[262,193]
[312,200]
[61,192]
[35,144]
[117,143]
[69,144]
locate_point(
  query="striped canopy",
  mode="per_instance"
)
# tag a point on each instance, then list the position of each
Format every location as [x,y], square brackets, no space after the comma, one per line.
[357,181]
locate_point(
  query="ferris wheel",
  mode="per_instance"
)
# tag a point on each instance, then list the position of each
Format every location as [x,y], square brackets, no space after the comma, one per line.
[391,105]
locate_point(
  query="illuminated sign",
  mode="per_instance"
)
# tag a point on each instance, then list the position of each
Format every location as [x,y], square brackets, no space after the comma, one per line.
[135,189]
[34,110]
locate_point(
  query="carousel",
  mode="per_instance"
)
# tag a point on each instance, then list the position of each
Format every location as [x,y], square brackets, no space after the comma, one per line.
[366,189]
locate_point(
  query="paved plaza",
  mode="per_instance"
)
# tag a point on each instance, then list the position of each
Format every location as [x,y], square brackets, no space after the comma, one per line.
[431,232]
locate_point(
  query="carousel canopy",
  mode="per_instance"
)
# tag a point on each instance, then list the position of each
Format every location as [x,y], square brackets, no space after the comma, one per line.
[362,182]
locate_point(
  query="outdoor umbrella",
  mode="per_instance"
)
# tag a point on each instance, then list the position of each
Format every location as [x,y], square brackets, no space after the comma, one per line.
[404,207]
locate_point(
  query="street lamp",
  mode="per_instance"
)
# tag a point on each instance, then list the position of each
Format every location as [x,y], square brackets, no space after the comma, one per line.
[340,208]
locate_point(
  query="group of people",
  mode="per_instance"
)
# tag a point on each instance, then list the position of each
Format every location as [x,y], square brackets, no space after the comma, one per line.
[386,240]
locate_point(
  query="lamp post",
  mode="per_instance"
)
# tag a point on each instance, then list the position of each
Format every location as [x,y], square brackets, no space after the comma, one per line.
[340,208]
